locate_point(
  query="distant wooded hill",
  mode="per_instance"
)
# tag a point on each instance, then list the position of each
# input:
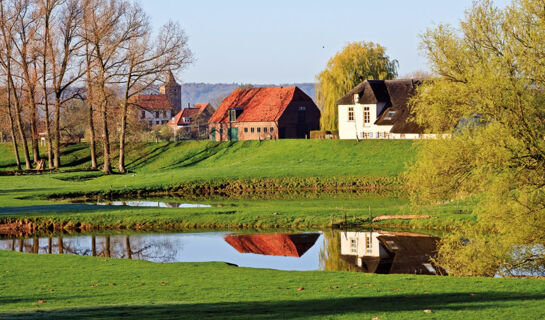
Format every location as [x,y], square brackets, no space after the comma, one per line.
[215,92]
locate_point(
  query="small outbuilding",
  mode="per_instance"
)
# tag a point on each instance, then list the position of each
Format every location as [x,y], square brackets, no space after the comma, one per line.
[263,114]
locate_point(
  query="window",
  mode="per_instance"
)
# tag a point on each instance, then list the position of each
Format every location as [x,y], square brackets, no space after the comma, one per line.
[221,130]
[368,244]
[245,130]
[258,129]
[265,129]
[232,115]
[350,113]
[164,114]
[252,130]
[302,108]
[186,119]
[157,122]
[272,129]
[143,115]
[354,245]
[157,114]
[370,135]
[389,115]
[366,115]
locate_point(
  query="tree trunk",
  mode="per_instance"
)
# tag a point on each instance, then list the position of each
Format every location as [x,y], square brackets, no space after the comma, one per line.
[12,129]
[56,144]
[90,106]
[33,129]
[123,128]
[20,128]
[46,100]
[128,244]
[106,141]
[61,246]
[107,247]
[94,246]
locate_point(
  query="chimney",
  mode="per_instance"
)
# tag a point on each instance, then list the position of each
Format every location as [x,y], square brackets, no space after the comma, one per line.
[188,105]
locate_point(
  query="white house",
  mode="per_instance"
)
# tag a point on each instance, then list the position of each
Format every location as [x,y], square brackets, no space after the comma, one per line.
[378,109]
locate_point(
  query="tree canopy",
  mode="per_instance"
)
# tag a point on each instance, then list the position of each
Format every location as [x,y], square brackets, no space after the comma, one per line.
[358,61]
[489,85]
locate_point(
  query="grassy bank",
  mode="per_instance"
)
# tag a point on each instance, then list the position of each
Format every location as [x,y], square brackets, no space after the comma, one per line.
[255,172]
[109,288]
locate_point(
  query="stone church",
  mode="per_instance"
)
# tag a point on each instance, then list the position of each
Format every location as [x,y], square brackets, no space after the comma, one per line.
[158,109]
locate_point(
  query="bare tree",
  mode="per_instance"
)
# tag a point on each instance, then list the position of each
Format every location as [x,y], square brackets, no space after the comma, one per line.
[65,68]
[9,11]
[147,62]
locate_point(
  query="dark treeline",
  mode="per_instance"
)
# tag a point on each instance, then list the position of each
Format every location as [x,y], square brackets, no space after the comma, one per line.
[67,61]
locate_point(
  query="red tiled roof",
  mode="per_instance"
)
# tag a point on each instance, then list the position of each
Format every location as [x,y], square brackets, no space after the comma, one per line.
[278,244]
[191,113]
[258,104]
[153,102]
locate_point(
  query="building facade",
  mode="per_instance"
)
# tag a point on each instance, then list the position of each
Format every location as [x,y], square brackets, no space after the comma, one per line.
[193,121]
[158,109]
[378,109]
[267,113]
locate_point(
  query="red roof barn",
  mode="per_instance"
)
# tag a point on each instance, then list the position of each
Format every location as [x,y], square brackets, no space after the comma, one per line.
[265,113]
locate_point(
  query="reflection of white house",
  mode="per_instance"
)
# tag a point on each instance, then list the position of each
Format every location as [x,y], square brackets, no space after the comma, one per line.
[362,244]
[378,109]
[387,252]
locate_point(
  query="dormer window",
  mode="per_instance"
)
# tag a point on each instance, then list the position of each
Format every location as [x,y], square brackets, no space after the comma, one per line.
[186,119]
[232,115]
[356,98]
[389,115]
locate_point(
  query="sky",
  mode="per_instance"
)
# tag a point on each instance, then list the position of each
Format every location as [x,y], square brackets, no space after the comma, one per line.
[282,41]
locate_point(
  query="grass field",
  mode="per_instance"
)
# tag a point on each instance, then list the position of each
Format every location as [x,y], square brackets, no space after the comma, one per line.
[69,287]
[271,165]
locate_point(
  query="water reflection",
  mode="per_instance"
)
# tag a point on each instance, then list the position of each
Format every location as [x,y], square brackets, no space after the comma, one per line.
[276,244]
[158,204]
[373,252]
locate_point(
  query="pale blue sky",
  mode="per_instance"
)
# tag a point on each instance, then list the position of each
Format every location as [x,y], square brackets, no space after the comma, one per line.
[282,41]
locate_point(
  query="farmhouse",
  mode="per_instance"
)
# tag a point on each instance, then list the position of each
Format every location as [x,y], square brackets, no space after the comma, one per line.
[378,109]
[265,113]
[157,109]
[194,121]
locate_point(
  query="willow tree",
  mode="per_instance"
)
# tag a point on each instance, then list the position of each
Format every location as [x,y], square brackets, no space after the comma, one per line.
[358,61]
[489,92]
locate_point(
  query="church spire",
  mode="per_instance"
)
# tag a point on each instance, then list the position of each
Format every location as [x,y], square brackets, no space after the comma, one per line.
[170,77]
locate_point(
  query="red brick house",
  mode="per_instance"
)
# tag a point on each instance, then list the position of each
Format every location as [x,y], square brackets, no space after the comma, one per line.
[193,120]
[265,113]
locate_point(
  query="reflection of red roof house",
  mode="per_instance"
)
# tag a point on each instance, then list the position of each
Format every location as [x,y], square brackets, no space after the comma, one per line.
[277,244]
[265,113]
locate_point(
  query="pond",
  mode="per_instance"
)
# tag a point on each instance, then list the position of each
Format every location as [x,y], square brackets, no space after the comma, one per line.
[372,252]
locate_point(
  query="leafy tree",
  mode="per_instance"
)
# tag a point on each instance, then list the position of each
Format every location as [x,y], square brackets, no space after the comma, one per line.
[357,62]
[489,74]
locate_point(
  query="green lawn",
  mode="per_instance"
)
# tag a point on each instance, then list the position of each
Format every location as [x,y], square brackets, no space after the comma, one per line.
[275,166]
[74,287]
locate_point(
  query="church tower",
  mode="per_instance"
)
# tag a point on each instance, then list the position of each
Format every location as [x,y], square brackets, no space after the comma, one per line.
[173,91]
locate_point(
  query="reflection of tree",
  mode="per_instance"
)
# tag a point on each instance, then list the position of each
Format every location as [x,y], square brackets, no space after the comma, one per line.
[131,247]
[330,254]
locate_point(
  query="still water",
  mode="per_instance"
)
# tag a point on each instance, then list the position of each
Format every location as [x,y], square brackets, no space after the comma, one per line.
[372,252]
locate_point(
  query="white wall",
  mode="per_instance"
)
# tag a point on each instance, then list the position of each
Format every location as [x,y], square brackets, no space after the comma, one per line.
[351,130]
[361,249]
[151,116]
